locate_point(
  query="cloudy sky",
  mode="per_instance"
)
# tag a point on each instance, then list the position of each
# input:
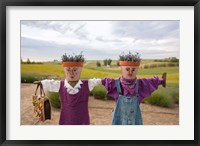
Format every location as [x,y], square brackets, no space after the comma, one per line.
[49,40]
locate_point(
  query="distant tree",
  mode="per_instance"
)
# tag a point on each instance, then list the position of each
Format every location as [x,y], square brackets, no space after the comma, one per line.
[174,59]
[28,61]
[117,63]
[109,62]
[105,62]
[170,59]
[98,64]
[39,63]
[55,60]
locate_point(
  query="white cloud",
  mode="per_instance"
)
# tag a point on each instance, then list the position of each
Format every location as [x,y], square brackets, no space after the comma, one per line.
[101,39]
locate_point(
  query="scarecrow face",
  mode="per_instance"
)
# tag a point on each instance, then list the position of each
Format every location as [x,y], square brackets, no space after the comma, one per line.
[72,73]
[129,72]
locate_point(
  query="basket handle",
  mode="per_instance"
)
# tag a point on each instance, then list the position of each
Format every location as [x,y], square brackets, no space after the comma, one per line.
[41,89]
[37,88]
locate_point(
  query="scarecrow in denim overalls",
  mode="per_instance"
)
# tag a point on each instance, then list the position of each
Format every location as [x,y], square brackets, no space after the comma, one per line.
[128,91]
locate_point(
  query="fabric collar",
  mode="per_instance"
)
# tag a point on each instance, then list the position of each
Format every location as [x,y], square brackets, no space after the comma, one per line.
[73,90]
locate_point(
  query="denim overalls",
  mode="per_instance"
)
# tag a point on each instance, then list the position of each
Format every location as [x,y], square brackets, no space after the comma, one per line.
[127,109]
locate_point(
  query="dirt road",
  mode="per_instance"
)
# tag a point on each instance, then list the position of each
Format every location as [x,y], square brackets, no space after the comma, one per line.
[100,111]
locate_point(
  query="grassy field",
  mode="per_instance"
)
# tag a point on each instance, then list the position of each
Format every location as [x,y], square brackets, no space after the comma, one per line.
[90,70]
[166,97]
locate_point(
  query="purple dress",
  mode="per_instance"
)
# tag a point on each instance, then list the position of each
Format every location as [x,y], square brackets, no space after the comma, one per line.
[146,86]
[74,108]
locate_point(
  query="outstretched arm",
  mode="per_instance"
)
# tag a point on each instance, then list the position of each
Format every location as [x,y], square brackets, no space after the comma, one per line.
[110,86]
[148,85]
[50,85]
[93,83]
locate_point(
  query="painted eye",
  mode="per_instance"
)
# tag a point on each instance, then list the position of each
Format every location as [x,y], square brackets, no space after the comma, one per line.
[133,69]
[127,69]
[74,70]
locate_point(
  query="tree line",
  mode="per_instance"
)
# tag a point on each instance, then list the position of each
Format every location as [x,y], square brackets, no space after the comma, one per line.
[28,61]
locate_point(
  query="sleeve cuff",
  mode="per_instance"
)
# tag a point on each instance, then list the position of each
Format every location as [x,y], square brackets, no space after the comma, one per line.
[93,83]
[51,85]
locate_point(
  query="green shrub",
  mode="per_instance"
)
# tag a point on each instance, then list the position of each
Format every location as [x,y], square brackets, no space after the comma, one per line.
[159,99]
[99,92]
[117,63]
[54,99]
[175,96]
[146,66]
[153,65]
[158,60]
[162,65]
[98,64]
[30,78]
[170,64]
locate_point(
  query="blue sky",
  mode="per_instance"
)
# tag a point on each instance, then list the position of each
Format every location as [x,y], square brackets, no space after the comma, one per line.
[98,40]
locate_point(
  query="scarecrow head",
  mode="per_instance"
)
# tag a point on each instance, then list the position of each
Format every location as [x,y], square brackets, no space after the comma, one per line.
[129,64]
[72,66]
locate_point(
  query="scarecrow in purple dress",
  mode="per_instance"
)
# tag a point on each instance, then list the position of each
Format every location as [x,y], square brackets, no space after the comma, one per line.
[129,91]
[73,92]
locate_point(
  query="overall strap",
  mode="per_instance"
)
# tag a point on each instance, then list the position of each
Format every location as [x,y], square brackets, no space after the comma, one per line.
[117,83]
[136,89]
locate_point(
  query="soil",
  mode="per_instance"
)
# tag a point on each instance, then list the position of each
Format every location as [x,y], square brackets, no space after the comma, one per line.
[99,110]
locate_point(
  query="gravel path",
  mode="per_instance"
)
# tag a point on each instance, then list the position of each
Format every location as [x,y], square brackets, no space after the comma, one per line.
[100,111]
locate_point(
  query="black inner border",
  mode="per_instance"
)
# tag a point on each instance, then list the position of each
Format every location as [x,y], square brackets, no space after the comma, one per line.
[5,3]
